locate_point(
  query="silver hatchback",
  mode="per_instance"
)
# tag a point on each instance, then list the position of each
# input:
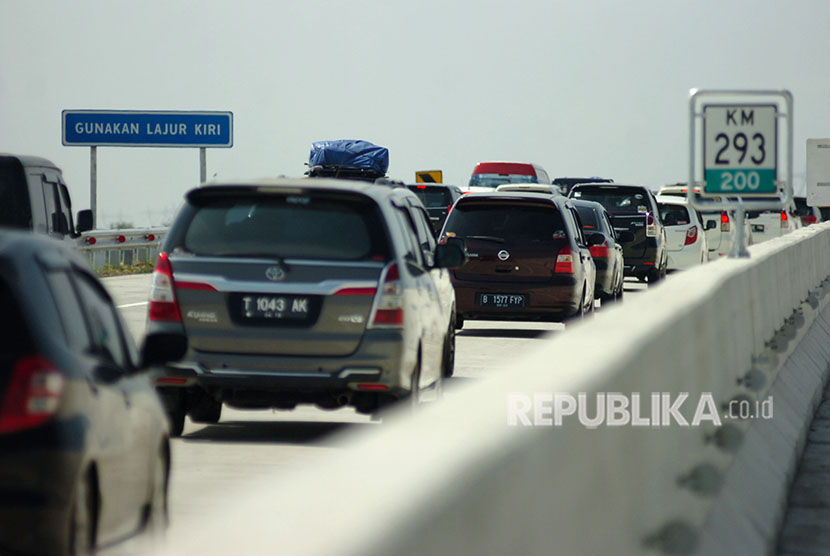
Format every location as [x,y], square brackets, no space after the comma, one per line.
[327,292]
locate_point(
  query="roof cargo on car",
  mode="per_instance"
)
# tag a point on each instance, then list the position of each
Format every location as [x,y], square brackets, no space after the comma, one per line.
[348,158]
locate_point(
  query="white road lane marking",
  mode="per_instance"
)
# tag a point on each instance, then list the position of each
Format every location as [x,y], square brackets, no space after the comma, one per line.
[133,305]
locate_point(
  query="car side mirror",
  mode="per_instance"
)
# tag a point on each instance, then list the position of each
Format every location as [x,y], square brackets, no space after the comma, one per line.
[711,224]
[595,239]
[160,348]
[625,236]
[84,221]
[449,255]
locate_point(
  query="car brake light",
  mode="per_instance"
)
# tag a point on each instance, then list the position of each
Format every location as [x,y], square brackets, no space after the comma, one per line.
[421,186]
[784,219]
[691,235]
[388,311]
[809,220]
[163,305]
[724,221]
[651,225]
[599,251]
[564,261]
[449,210]
[33,394]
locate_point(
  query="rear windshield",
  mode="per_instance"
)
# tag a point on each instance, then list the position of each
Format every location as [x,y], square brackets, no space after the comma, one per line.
[495,180]
[516,222]
[588,217]
[433,197]
[15,209]
[293,226]
[615,200]
[674,215]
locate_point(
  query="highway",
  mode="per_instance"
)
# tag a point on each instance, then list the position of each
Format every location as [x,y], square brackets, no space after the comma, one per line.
[211,460]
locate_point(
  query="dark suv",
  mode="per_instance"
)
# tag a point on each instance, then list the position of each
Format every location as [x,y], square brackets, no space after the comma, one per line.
[632,208]
[528,259]
[330,292]
[34,197]
[438,200]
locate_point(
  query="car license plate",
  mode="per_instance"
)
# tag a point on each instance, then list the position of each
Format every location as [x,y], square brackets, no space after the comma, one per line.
[275,307]
[757,227]
[502,300]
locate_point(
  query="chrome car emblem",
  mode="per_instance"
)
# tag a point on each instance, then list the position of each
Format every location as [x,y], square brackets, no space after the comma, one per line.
[275,273]
[503,255]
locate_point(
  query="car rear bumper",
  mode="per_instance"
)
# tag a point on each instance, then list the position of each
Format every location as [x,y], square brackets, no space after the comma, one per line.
[35,493]
[550,301]
[685,258]
[381,364]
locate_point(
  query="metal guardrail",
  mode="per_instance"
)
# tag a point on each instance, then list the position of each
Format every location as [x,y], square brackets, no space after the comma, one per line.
[117,247]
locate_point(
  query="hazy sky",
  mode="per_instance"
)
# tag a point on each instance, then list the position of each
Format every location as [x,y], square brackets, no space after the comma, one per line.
[580,87]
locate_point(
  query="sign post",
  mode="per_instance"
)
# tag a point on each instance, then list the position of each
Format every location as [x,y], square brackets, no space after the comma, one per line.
[135,128]
[740,154]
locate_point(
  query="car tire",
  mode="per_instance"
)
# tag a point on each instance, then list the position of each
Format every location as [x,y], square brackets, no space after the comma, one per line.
[415,384]
[205,410]
[83,517]
[618,295]
[459,322]
[176,415]
[448,359]
[157,509]
[654,276]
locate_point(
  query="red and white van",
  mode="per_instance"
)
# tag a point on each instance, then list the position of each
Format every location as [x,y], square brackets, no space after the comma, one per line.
[489,175]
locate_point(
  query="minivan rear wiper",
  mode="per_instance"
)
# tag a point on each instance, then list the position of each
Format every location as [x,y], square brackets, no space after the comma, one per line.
[486,238]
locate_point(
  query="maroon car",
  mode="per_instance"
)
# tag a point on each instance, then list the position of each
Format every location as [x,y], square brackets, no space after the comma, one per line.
[528,258]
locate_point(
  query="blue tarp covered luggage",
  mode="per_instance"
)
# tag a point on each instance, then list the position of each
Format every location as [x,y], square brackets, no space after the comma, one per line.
[346,157]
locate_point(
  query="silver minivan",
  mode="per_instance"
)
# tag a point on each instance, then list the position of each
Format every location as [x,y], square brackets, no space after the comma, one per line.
[320,291]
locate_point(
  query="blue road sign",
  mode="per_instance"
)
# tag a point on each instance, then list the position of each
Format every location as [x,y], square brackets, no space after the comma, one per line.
[135,128]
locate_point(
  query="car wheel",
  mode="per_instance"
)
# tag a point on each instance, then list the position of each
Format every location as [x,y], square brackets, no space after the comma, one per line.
[82,517]
[459,322]
[654,276]
[206,410]
[448,360]
[176,416]
[157,515]
[415,384]
[619,293]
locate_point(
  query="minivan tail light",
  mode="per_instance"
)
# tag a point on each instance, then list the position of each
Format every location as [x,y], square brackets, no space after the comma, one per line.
[651,225]
[163,304]
[691,235]
[785,221]
[812,219]
[33,394]
[564,261]
[724,221]
[388,305]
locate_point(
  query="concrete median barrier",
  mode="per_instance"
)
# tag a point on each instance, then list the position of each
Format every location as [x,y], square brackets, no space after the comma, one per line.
[674,467]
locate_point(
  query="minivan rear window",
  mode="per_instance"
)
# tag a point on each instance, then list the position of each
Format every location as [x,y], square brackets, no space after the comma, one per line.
[507,222]
[15,208]
[433,197]
[287,226]
[495,180]
[673,215]
[622,200]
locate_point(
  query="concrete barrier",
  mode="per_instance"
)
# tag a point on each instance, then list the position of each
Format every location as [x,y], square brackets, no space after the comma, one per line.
[457,479]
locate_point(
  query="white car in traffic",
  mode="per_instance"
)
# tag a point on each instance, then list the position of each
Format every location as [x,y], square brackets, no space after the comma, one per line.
[685,233]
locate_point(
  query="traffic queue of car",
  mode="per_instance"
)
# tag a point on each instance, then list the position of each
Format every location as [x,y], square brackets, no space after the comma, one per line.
[272,293]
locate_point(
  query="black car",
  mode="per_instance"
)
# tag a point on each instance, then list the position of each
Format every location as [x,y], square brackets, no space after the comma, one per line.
[528,259]
[438,200]
[84,455]
[633,208]
[608,256]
